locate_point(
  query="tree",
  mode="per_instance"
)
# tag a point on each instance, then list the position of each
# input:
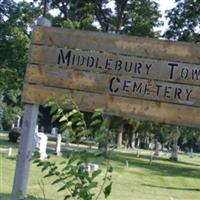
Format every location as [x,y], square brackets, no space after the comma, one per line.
[15,18]
[190,138]
[174,152]
[117,124]
[133,17]
[141,18]
[132,126]
[73,14]
[1,112]
[184,21]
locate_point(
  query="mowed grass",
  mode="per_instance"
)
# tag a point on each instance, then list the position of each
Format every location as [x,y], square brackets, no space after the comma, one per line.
[139,180]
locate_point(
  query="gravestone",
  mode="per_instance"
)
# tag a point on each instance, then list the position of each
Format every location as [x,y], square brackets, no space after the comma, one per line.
[54,131]
[58,145]
[41,143]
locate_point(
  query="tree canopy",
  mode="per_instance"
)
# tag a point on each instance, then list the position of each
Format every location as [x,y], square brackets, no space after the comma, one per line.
[131,17]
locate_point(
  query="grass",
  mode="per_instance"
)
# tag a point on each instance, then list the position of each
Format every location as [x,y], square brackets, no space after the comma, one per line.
[139,181]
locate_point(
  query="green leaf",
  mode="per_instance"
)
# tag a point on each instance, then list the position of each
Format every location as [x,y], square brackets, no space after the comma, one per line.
[95,122]
[107,190]
[63,118]
[67,197]
[57,181]
[74,111]
[36,161]
[53,109]
[98,113]
[63,128]
[69,124]
[76,119]
[110,168]
[62,188]
[44,167]
[55,117]
[95,173]
[92,185]
[48,175]
[71,159]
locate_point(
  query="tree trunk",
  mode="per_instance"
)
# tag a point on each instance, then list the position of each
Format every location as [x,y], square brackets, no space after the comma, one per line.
[156,153]
[133,137]
[174,152]
[103,144]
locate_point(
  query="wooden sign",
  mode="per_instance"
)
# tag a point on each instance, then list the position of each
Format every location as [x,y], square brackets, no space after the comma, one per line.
[126,76]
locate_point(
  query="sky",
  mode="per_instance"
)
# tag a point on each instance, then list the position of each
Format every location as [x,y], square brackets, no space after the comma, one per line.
[164,5]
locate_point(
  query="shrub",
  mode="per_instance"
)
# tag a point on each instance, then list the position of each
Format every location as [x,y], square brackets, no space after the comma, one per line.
[13,135]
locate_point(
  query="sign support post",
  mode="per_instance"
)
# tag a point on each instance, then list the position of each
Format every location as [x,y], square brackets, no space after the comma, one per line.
[26,142]
[25,152]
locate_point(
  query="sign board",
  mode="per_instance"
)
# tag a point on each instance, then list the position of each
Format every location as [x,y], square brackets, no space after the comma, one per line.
[126,76]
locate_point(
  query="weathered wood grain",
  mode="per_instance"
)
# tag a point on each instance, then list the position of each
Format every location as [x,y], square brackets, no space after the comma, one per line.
[126,76]
[137,46]
[116,64]
[114,85]
[120,106]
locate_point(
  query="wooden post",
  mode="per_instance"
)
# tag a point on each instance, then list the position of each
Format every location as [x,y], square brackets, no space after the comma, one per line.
[25,152]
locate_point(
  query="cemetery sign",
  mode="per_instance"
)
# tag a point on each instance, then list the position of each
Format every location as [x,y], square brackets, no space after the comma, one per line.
[126,76]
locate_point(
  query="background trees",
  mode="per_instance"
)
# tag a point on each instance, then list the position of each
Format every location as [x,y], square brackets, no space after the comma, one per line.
[15,20]
[184,21]
[132,17]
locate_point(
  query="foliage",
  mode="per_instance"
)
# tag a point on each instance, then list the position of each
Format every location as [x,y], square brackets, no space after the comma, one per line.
[100,128]
[14,135]
[141,18]
[10,114]
[15,22]
[70,121]
[1,112]
[74,14]
[74,177]
[184,21]
[132,17]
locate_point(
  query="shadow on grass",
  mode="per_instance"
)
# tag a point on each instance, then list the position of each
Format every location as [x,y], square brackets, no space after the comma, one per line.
[188,163]
[156,158]
[4,196]
[159,166]
[5,143]
[172,188]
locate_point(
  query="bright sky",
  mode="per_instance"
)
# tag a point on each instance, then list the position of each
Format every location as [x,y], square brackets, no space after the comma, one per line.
[164,5]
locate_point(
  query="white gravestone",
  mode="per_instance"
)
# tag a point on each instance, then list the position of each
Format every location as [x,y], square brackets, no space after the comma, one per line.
[54,131]
[58,145]
[9,151]
[90,167]
[41,143]
[18,121]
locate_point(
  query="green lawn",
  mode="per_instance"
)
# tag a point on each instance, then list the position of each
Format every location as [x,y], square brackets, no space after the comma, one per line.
[139,181]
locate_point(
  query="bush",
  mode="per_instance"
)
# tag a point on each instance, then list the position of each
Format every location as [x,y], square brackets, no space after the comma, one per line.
[13,135]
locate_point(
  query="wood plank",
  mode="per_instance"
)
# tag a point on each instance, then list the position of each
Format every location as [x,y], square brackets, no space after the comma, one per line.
[116,64]
[114,85]
[120,106]
[120,44]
